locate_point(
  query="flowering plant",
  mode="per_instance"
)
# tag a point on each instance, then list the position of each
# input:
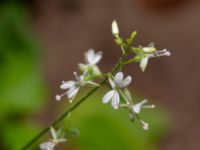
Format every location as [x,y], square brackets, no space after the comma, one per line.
[118,95]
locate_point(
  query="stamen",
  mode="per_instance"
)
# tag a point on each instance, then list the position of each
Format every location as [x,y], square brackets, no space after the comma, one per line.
[164,52]
[149,106]
[58,97]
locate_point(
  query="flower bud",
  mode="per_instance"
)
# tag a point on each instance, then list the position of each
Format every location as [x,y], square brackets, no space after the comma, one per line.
[148,49]
[115,29]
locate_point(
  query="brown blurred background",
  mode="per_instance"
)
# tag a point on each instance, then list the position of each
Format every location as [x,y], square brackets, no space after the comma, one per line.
[67,28]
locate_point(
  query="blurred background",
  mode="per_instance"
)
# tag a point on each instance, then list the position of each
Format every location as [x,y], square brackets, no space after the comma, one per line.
[41,43]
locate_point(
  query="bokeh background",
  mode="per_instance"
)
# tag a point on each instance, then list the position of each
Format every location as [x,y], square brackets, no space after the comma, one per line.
[41,43]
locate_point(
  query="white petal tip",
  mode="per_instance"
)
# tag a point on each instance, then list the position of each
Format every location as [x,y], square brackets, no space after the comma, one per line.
[168,53]
[115,29]
[115,107]
[145,125]
[58,97]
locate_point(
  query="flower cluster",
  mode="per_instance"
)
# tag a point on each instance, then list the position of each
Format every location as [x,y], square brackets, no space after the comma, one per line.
[57,137]
[89,71]
[118,95]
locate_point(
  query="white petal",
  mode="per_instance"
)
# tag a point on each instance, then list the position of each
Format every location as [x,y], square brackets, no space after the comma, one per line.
[96,58]
[112,83]
[53,133]
[126,82]
[118,77]
[143,63]
[115,100]
[137,107]
[145,125]
[107,97]
[77,77]
[71,93]
[47,146]
[67,85]
[89,56]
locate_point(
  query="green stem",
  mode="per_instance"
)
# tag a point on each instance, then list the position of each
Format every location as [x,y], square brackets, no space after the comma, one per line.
[32,141]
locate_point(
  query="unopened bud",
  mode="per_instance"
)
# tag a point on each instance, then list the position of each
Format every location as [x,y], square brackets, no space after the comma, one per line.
[148,49]
[115,29]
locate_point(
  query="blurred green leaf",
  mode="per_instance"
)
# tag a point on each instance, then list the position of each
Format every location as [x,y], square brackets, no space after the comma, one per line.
[21,83]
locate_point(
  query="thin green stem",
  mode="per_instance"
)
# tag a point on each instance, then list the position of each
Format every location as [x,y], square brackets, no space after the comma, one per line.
[32,141]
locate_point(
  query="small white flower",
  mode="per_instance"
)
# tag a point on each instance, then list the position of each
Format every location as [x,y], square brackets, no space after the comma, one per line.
[116,83]
[115,29]
[136,108]
[73,87]
[151,52]
[56,139]
[91,59]
[119,82]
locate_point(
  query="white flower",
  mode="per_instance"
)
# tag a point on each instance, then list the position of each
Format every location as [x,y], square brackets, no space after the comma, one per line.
[151,52]
[136,108]
[91,59]
[73,87]
[56,139]
[115,29]
[119,82]
[116,83]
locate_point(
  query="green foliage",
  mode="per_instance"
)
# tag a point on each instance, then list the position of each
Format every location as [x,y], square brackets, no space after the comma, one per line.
[21,85]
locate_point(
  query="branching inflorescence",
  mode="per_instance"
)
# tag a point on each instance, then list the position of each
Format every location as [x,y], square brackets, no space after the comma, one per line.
[119,96]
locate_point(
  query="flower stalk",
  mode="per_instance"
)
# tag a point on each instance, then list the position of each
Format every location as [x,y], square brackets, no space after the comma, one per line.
[118,95]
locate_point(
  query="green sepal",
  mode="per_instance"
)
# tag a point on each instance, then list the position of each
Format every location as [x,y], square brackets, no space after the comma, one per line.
[136,50]
[119,41]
